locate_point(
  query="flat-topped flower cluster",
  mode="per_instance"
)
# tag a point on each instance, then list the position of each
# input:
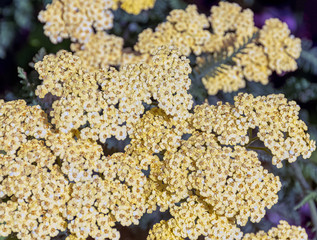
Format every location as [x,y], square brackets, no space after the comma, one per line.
[193,161]
[226,29]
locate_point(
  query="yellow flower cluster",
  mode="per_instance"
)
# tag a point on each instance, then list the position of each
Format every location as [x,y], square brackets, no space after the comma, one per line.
[157,132]
[37,189]
[281,48]
[280,128]
[282,232]
[223,186]
[273,50]
[162,230]
[101,51]
[105,103]
[184,29]
[194,218]
[114,196]
[202,168]
[135,6]
[19,121]
[79,19]
[198,163]
[201,164]
[215,174]
[76,19]
[59,182]
[229,20]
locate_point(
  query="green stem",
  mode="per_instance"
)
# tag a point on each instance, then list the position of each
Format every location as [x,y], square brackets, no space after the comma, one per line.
[259,148]
[252,140]
[250,133]
[306,189]
[59,161]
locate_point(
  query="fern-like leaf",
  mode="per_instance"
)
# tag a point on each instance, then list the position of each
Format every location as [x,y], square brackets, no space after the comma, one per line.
[27,91]
[38,57]
[220,61]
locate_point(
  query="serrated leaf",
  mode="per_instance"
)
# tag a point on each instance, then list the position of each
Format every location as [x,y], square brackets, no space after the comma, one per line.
[22,74]
[27,91]
[310,196]
[38,57]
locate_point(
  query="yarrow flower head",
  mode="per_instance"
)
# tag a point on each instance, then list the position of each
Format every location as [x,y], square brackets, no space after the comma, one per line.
[281,47]
[135,6]
[184,29]
[200,161]
[254,53]
[76,19]
[101,51]
[282,231]
[273,50]
[91,97]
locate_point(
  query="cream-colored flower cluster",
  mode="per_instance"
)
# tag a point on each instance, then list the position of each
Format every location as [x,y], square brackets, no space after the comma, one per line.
[215,174]
[281,48]
[283,232]
[273,50]
[79,19]
[279,126]
[105,103]
[199,163]
[187,30]
[201,168]
[56,182]
[19,121]
[76,19]
[101,50]
[184,29]
[222,187]
[164,230]
[135,6]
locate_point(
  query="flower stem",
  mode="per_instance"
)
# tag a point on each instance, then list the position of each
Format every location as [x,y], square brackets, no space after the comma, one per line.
[259,148]
[252,140]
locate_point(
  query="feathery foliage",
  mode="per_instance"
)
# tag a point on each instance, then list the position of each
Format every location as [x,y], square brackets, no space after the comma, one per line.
[219,61]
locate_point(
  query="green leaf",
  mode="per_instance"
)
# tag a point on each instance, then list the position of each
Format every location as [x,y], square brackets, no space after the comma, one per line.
[310,196]
[300,89]
[38,57]
[22,74]
[219,62]
[27,91]
[308,58]
[177,4]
